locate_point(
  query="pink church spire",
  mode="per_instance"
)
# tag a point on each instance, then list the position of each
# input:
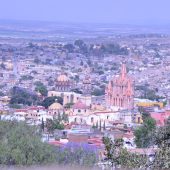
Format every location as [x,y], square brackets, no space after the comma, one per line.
[123,71]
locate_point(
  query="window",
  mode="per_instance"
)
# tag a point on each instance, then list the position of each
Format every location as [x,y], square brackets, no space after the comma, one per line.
[79,110]
[92,119]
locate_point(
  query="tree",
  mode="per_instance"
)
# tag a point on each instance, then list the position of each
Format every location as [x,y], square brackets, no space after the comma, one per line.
[65,117]
[98,92]
[37,60]
[120,157]
[22,96]
[104,126]
[69,47]
[77,154]
[100,125]
[3,66]
[144,134]
[50,100]
[21,144]
[162,139]
[97,124]
[41,88]
[42,125]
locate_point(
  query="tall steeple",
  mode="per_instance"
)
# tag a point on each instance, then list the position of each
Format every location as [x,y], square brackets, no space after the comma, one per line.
[123,71]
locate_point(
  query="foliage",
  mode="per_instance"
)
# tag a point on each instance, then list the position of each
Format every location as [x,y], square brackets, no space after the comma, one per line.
[119,156]
[37,60]
[76,90]
[150,94]
[98,92]
[1,93]
[21,145]
[54,124]
[22,96]
[69,47]
[77,154]
[50,100]
[26,77]
[2,65]
[115,49]
[41,88]
[144,134]
[68,105]
[162,139]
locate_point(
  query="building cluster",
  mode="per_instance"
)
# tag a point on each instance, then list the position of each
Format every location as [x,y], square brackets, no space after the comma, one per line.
[100,97]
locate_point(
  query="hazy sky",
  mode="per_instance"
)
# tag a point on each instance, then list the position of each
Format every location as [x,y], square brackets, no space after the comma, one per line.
[93,11]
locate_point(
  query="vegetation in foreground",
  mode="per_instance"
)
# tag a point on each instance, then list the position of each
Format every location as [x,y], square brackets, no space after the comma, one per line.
[160,137]
[21,144]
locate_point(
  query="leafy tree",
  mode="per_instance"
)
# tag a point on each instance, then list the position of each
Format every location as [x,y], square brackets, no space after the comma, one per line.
[162,139]
[37,60]
[2,65]
[144,134]
[22,96]
[104,126]
[54,124]
[100,125]
[26,77]
[20,144]
[120,157]
[77,154]
[77,91]
[41,88]
[98,92]
[42,125]
[69,47]
[50,100]
[65,117]
[97,124]
[68,105]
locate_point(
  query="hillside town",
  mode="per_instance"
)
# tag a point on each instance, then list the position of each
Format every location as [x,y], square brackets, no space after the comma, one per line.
[82,91]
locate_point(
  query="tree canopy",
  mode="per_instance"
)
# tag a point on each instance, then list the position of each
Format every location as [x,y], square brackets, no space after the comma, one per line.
[144,134]
[50,100]
[21,144]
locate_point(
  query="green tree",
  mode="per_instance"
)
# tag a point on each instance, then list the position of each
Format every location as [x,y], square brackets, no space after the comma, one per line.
[104,126]
[20,144]
[120,157]
[50,100]
[144,134]
[42,125]
[41,88]
[22,96]
[97,124]
[100,125]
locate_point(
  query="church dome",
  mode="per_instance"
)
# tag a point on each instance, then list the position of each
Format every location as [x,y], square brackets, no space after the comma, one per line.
[62,78]
[56,106]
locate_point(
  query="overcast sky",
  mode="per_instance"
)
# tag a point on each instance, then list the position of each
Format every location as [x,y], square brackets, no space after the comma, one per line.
[92,11]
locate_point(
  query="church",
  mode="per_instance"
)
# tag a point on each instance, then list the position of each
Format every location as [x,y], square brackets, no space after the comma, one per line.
[119,92]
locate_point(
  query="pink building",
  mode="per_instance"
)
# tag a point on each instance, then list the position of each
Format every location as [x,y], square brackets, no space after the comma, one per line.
[120,91]
[160,117]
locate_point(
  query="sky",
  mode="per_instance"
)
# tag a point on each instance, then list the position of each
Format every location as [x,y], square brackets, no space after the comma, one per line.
[88,11]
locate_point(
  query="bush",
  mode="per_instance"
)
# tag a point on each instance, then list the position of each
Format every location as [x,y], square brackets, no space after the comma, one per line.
[20,144]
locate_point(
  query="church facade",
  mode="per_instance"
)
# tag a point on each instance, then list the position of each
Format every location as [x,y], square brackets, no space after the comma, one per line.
[119,92]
